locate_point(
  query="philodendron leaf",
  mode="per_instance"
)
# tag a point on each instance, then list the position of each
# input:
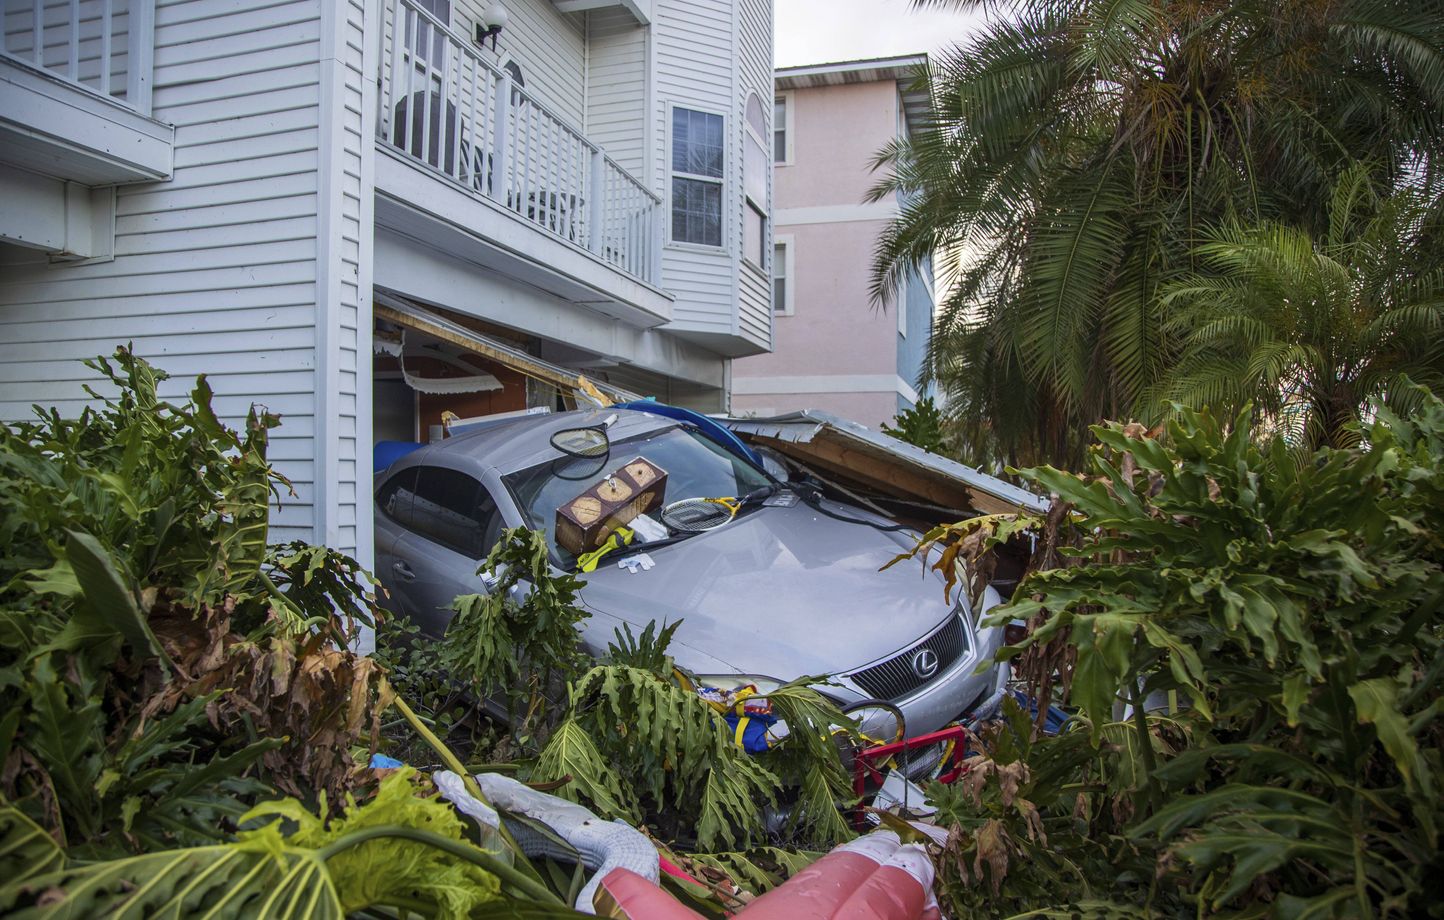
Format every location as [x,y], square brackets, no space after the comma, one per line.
[109,602]
[571,753]
[26,850]
[1295,694]
[255,878]
[396,846]
[1377,703]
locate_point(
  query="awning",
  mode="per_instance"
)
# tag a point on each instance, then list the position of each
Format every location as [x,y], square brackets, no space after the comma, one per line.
[883,464]
[405,313]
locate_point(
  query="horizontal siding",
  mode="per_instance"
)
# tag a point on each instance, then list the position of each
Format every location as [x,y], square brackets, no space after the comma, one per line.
[754,316]
[702,286]
[694,68]
[214,271]
[617,86]
[754,80]
[549,47]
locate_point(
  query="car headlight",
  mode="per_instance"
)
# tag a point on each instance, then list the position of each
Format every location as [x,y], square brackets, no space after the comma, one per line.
[764,685]
[728,683]
[963,587]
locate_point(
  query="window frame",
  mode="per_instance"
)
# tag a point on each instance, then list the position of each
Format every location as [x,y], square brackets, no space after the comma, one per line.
[760,260]
[481,497]
[518,76]
[402,520]
[723,182]
[439,44]
[789,274]
[788,99]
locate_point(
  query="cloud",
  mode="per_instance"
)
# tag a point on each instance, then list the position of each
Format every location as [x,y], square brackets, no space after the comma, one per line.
[820,31]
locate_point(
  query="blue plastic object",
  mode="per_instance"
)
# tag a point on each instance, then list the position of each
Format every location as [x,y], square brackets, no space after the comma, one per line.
[1053,722]
[382,762]
[708,426]
[754,734]
[386,453]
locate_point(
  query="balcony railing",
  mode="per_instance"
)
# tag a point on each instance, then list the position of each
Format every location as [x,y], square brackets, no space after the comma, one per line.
[447,108]
[103,45]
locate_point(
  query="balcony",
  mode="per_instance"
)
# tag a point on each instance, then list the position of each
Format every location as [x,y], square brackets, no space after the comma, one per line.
[472,165]
[75,91]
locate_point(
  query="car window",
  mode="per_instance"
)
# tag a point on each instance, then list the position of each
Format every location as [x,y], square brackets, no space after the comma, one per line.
[394,497]
[452,508]
[696,467]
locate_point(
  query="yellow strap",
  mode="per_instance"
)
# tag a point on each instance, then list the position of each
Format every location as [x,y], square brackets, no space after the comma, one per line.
[741,727]
[587,562]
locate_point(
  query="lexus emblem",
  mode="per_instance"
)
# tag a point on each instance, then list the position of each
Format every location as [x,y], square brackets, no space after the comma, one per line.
[925,663]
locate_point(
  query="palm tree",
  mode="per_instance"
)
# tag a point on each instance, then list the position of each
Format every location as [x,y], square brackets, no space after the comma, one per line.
[1312,328]
[1077,150]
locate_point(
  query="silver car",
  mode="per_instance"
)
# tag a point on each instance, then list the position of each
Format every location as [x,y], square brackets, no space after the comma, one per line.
[785,588]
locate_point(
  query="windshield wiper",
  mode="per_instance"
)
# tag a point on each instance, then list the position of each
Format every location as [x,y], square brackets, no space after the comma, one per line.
[753,499]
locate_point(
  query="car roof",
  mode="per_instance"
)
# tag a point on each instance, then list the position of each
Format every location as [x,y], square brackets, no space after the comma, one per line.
[526,441]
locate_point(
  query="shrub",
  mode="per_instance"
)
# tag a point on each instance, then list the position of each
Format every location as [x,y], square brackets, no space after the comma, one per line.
[161,667]
[1253,648]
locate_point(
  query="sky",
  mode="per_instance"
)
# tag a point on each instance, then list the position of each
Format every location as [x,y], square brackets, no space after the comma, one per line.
[821,31]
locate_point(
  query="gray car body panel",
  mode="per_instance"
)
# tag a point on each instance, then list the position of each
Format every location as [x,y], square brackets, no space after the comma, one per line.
[779,592]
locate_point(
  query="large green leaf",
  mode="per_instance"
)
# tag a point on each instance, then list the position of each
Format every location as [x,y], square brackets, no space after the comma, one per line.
[397,848]
[570,753]
[109,602]
[1377,702]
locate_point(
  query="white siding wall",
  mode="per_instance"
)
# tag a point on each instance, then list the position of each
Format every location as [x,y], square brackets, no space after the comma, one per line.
[550,48]
[694,68]
[617,86]
[344,257]
[754,75]
[226,269]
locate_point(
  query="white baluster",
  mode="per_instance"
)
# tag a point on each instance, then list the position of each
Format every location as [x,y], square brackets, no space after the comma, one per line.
[72,68]
[107,33]
[501,131]
[37,33]
[596,212]
[453,125]
[139,61]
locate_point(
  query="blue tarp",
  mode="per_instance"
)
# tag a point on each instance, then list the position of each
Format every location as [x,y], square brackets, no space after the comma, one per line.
[709,426]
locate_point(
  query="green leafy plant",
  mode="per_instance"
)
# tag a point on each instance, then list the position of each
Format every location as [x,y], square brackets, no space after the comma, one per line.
[647,650]
[1076,152]
[160,667]
[1253,645]
[519,644]
[921,426]
[403,850]
[1311,327]
[636,744]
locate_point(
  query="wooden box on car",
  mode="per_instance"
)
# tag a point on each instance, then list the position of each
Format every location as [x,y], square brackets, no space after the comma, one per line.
[586,521]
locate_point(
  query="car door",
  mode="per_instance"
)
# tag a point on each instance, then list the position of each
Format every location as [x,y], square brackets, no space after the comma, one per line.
[393,510]
[451,525]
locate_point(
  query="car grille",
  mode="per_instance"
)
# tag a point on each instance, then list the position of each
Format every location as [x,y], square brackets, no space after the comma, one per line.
[896,678]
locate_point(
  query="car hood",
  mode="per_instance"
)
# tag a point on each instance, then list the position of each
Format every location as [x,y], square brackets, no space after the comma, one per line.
[780,592]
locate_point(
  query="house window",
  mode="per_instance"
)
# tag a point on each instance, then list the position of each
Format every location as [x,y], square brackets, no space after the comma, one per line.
[754,236]
[779,130]
[513,68]
[697,164]
[782,277]
[756,170]
[428,34]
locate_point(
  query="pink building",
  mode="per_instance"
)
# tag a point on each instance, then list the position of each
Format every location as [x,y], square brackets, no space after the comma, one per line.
[833,349]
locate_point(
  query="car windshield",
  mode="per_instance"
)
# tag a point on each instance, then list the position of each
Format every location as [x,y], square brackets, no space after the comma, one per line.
[696,467]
